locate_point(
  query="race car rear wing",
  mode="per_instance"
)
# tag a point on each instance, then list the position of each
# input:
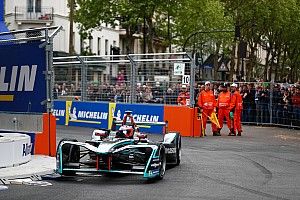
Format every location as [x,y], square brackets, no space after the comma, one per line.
[141,124]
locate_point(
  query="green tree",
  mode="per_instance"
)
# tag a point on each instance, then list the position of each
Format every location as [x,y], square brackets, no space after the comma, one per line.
[204,16]
[129,13]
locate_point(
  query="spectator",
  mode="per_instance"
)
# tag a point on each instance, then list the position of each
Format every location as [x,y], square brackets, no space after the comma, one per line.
[158,93]
[285,108]
[262,98]
[296,106]
[64,89]
[147,96]
[216,90]
[120,78]
[183,98]
[170,98]
[56,91]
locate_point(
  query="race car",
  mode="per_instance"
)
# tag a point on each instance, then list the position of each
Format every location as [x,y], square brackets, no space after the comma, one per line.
[125,151]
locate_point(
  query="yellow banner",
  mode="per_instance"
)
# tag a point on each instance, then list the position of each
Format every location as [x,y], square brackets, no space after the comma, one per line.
[111,113]
[68,111]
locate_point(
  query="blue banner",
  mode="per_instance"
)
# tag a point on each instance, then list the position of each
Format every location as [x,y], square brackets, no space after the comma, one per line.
[59,111]
[86,114]
[1,10]
[143,113]
[99,115]
[22,79]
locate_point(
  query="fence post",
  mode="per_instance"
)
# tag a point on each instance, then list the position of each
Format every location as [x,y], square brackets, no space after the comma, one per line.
[49,71]
[271,101]
[83,78]
[192,80]
[132,80]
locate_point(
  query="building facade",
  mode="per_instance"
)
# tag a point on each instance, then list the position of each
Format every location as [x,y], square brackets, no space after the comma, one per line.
[28,14]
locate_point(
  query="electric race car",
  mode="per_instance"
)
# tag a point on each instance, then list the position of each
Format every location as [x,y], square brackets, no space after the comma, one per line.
[125,151]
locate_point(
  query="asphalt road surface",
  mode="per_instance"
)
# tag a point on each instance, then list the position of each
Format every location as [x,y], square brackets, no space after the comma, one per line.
[262,164]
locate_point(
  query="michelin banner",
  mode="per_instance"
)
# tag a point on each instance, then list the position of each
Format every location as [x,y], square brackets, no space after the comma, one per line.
[142,113]
[100,114]
[22,78]
[86,114]
[59,111]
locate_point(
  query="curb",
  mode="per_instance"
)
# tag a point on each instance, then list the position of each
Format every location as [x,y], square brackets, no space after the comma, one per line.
[39,165]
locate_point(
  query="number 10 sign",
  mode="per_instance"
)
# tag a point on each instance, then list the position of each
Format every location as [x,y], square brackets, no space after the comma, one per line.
[185,79]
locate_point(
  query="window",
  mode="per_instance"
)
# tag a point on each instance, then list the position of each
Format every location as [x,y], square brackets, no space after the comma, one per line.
[34,5]
[106,47]
[29,5]
[81,45]
[99,46]
[38,5]
[90,43]
[114,43]
[73,35]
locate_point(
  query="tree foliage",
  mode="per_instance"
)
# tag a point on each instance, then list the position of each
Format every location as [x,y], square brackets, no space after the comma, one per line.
[271,25]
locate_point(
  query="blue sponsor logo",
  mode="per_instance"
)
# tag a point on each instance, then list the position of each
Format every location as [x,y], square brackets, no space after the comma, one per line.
[58,113]
[26,149]
[22,78]
[143,113]
[88,114]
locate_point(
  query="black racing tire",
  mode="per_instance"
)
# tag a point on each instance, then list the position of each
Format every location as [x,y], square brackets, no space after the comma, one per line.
[178,149]
[163,163]
[70,153]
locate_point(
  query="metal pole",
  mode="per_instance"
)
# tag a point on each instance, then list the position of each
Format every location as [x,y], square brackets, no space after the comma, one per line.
[51,73]
[192,81]
[271,101]
[48,72]
[83,79]
[49,66]
[132,80]
[49,69]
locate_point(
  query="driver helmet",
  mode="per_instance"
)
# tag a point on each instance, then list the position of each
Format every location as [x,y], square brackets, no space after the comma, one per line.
[128,112]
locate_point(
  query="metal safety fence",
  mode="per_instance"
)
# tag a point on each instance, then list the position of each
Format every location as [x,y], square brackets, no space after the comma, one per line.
[152,78]
[134,78]
[266,103]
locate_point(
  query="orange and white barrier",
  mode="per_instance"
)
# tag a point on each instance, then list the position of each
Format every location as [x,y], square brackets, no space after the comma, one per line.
[45,141]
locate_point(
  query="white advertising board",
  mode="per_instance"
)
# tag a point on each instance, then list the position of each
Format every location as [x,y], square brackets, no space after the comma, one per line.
[15,149]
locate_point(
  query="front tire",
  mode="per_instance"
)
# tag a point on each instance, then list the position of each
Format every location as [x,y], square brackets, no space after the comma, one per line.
[163,163]
[178,149]
[70,154]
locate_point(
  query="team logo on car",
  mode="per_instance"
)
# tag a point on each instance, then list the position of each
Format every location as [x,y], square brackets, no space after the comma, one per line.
[170,150]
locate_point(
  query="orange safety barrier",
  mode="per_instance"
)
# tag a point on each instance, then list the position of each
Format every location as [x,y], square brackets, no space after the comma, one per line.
[45,142]
[180,118]
[197,124]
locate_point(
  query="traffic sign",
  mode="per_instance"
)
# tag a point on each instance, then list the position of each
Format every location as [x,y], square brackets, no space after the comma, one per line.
[179,68]
[223,68]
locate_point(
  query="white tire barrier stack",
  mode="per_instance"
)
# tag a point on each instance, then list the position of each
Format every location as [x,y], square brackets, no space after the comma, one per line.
[15,149]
